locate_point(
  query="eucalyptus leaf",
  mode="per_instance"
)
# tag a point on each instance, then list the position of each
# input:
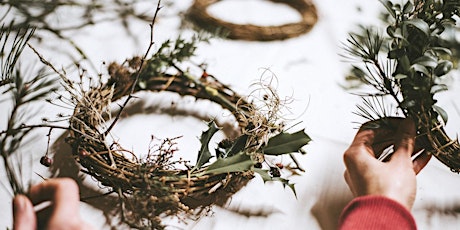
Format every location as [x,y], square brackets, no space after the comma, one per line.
[286,143]
[238,163]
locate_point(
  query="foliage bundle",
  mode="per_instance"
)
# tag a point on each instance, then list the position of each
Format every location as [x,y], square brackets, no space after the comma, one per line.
[407,64]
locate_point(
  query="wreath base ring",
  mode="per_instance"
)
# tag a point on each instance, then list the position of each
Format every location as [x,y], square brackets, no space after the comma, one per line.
[200,17]
[151,191]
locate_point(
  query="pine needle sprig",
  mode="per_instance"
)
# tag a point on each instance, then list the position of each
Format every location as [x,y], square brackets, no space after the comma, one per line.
[23,92]
[364,47]
[11,49]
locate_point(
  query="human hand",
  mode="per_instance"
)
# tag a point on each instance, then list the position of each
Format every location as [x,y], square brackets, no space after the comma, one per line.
[63,213]
[394,179]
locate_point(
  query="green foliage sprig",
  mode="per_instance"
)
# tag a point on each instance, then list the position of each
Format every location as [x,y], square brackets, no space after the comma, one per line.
[408,63]
[23,91]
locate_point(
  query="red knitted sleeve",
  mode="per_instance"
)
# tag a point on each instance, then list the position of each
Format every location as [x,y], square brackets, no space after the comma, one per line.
[375,212]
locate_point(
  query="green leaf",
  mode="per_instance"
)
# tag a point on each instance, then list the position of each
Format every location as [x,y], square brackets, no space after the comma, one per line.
[406,104]
[286,143]
[441,113]
[427,60]
[205,155]
[420,68]
[404,62]
[238,146]
[264,174]
[238,163]
[389,6]
[408,7]
[442,51]
[396,53]
[438,88]
[400,76]
[443,68]
[419,24]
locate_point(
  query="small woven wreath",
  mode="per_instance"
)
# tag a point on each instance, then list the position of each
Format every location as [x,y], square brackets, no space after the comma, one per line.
[199,15]
[153,187]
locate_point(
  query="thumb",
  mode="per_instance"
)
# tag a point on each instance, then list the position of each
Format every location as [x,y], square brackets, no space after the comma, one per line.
[405,140]
[23,214]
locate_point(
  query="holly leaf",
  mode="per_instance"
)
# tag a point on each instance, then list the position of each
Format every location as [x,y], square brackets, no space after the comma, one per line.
[238,163]
[204,155]
[286,143]
[264,174]
[238,146]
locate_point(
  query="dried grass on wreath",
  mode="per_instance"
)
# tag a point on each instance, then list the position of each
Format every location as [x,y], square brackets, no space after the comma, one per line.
[154,187]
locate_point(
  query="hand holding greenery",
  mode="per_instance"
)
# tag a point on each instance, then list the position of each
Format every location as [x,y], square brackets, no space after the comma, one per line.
[407,65]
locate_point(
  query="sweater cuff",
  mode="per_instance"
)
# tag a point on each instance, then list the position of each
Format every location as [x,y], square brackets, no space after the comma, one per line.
[376,212]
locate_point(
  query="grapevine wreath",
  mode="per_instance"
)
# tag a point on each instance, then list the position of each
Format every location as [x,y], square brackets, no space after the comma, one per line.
[199,16]
[154,187]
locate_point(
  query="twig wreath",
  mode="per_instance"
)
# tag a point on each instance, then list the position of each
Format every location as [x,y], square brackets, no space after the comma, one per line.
[407,65]
[154,186]
[199,15]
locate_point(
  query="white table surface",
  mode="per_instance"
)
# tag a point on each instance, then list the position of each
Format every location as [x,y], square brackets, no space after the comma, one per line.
[310,70]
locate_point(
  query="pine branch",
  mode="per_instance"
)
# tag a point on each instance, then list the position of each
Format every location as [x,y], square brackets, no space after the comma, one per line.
[23,92]
[11,49]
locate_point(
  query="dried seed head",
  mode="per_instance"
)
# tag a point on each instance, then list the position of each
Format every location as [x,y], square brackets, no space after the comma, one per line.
[275,172]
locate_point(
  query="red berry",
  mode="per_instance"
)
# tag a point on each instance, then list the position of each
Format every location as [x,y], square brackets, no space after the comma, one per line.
[83,153]
[279,165]
[46,161]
